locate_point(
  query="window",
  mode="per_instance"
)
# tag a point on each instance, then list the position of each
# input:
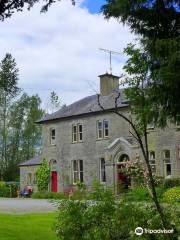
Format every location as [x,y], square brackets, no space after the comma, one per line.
[52,136]
[77,171]
[102,170]
[99,129]
[150,126]
[77,133]
[29,179]
[106,128]
[35,178]
[152,160]
[167,163]
[102,129]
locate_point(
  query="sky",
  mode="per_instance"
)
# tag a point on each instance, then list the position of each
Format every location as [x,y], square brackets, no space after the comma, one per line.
[59,50]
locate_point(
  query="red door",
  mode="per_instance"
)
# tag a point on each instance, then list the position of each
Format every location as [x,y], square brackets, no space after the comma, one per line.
[122,179]
[54,181]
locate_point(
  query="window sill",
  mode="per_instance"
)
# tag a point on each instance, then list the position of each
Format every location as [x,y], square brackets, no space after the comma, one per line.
[52,145]
[100,139]
[76,142]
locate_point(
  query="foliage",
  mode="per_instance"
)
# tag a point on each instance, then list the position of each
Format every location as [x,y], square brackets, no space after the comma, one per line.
[4,190]
[8,7]
[27,226]
[171,182]
[8,90]
[48,195]
[106,219]
[8,189]
[43,174]
[157,24]
[172,195]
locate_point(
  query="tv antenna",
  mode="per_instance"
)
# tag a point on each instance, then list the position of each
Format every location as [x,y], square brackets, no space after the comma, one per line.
[110,56]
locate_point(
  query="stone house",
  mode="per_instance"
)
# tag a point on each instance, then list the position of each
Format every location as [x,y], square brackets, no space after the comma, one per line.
[83,143]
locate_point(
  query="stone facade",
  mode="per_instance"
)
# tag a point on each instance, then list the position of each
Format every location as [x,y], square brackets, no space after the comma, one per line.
[70,159]
[28,176]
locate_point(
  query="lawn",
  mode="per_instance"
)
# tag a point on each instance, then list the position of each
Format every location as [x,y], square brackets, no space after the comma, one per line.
[27,227]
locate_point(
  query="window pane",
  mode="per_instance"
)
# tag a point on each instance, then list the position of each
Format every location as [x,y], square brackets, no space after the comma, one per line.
[167,154]
[168,169]
[74,129]
[99,125]
[81,165]
[102,170]
[81,176]
[100,134]
[80,127]
[105,123]
[106,133]
[75,165]
[76,177]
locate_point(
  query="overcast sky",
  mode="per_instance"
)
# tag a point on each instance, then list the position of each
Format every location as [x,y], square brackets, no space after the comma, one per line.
[59,50]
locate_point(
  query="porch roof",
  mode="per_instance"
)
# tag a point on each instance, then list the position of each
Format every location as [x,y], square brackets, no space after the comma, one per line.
[37,160]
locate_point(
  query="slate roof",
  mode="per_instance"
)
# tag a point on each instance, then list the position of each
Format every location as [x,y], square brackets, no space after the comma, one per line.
[32,162]
[87,105]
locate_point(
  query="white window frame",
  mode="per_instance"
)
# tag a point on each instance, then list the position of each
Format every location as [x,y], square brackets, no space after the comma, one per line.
[79,171]
[102,171]
[105,128]
[78,134]
[52,137]
[101,131]
[152,160]
[167,161]
[74,133]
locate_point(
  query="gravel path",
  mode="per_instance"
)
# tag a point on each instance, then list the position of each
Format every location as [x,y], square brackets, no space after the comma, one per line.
[21,205]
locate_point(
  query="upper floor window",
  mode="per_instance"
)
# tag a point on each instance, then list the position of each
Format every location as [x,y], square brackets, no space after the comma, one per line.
[102,129]
[52,136]
[77,132]
[77,171]
[102,170]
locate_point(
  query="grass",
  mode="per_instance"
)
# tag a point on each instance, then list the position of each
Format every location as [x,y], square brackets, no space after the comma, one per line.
[27,227]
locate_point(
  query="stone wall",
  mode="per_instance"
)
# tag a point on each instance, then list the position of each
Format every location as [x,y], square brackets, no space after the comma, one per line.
[25,177]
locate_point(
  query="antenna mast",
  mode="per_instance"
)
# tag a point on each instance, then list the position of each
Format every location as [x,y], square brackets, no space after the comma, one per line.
[110,56]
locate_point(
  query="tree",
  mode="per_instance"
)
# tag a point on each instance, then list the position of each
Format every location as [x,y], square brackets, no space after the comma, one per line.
[8,91]
[24,135]
[142,113]
[8,7]
[54,103]
[158,25]
[43,174]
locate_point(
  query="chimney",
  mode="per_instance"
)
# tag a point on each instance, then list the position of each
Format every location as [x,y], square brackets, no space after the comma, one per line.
[108,83]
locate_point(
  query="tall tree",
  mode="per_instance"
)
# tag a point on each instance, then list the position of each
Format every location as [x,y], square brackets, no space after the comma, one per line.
[8,90]
[24,134]
[8,7]
[157,22]
[54,103]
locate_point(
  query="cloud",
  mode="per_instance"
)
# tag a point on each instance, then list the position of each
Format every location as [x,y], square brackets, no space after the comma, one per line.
[59,50]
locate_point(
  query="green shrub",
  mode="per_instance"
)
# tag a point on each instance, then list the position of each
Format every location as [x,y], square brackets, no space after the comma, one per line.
[172,182]
[106,219]
[4,190]
[172,195]
[43,175]
[48,195]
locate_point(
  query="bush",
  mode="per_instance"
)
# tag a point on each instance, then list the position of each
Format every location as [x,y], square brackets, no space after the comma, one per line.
[48,195]
[172,182]
[172,195]
[106,219]
[8,189]
[4,190]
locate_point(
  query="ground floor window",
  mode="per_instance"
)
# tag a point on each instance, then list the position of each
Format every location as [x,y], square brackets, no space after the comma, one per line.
[167,163]
[102,170]
[152,161]
[77,171]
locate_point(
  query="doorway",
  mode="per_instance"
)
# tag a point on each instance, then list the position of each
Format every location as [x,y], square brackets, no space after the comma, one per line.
[54,181]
